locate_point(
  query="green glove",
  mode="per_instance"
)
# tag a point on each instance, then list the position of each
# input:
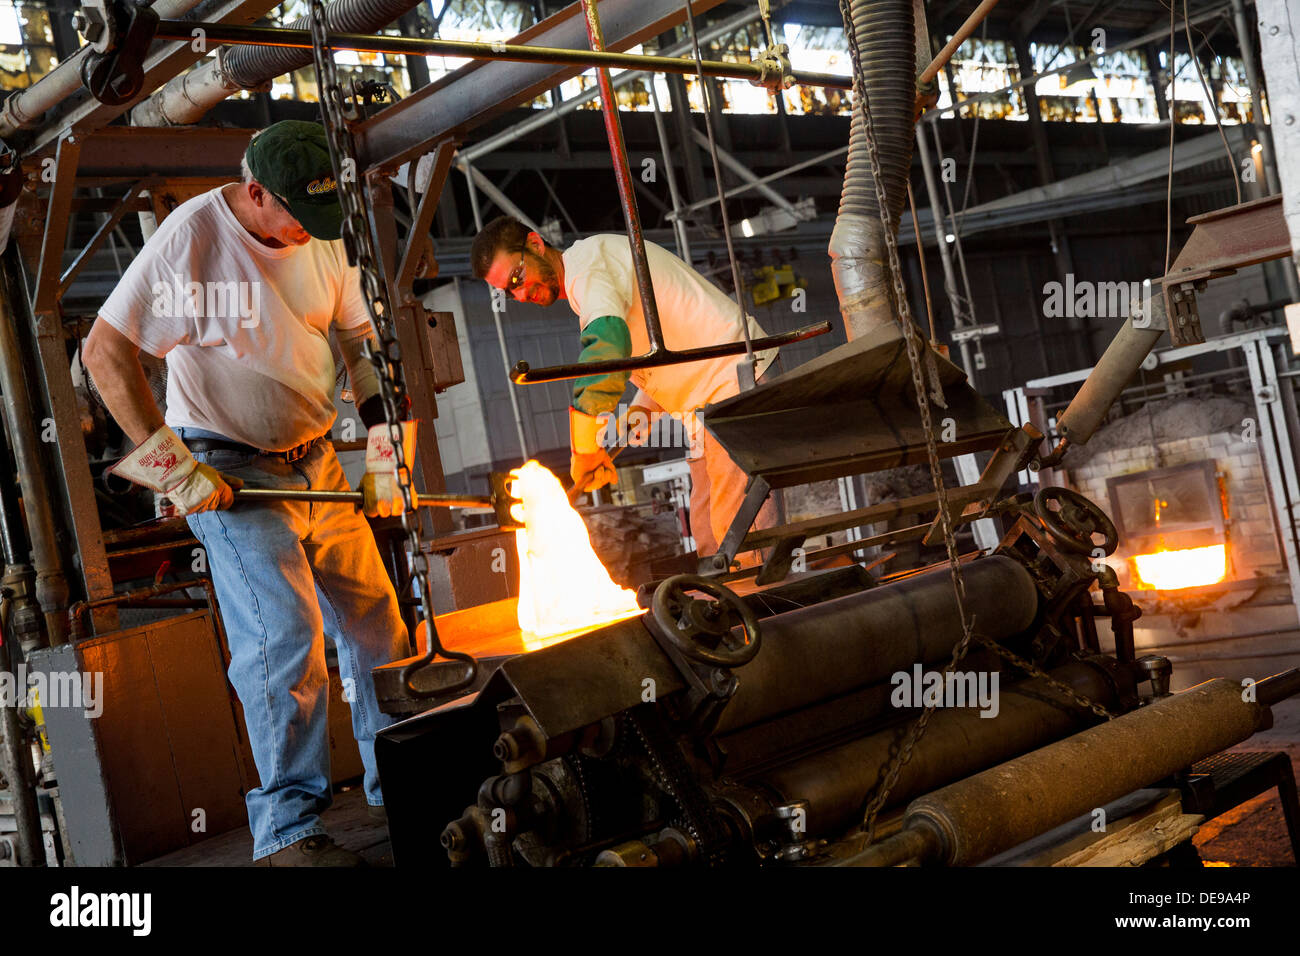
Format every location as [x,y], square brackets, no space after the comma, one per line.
[603,339]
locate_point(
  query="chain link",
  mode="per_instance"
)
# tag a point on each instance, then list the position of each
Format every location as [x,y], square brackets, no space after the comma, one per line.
[1081,700]
[387,358]
[914,342]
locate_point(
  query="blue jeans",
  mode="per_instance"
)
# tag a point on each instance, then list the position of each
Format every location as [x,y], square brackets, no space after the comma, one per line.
[286,574]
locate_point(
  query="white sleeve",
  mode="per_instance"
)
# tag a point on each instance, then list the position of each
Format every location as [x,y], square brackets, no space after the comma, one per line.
[602,286]
[149,303]
[361,374]
[350,312]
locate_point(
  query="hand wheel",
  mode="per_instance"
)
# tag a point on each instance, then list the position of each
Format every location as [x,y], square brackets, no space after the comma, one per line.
[1075,520]
[702,630]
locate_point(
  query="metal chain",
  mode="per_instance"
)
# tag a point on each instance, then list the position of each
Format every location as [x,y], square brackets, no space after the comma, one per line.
[387,358]
[670,771]
[914,343]
[1082,700]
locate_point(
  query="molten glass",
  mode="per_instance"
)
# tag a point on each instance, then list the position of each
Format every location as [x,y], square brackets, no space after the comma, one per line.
[1191,567]
[563,587]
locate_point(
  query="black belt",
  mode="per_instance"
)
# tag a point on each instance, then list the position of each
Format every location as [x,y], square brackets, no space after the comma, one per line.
[201,445]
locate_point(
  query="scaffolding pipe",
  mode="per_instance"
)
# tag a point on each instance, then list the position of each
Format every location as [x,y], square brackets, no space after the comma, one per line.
[945,254]
[679,227]
[281,38]
[20,418]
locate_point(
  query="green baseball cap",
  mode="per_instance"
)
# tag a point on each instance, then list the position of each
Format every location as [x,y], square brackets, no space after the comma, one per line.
[292,160]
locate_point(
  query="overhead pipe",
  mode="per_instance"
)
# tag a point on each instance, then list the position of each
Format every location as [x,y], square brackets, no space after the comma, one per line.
[887,53]
[961,36]
[26,107]
[188,97]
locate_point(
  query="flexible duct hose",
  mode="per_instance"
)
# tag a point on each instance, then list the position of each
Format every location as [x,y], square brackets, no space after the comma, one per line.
[887,52]
[250,66]
[189,96]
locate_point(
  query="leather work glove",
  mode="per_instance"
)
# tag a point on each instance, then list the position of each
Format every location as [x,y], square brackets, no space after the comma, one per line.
[380,492]
[590,466]
[163,463]
[634,426]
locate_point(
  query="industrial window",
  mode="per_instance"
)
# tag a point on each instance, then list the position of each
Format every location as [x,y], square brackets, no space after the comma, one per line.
[26,44]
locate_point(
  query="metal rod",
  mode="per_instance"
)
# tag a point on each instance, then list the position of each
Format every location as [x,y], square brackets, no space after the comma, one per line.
[105,230]
[716,154]
[524,374]
[422,500]
[679,227]
[408,46]
[752,180]
[963,33]
[626,191]
[33,476]
[945,254]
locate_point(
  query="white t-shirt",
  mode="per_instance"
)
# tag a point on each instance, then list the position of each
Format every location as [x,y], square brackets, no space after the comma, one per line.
[599,280]
[244,327]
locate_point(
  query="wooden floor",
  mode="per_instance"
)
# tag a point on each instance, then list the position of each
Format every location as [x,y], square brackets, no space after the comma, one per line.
[347,822]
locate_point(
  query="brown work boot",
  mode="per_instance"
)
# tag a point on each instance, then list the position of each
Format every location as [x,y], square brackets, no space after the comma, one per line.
[316,850]
[377,814]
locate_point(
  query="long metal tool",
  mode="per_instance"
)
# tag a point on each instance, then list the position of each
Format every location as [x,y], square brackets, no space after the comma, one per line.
[359,241]
[355,497]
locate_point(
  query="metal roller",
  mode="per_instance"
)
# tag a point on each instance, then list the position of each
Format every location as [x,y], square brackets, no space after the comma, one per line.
[831,648]
[993,811]
[837,782]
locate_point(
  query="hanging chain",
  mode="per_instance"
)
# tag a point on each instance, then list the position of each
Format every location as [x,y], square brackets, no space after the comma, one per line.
[387,358]
[1086,703]
[914,343]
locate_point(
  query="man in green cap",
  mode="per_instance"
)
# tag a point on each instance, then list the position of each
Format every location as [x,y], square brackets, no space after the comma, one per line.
[241,289]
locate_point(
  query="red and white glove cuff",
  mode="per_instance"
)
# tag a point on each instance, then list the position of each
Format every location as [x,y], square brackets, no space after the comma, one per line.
[380,459]
[161,462]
